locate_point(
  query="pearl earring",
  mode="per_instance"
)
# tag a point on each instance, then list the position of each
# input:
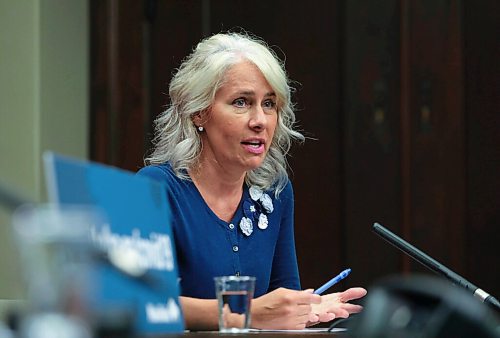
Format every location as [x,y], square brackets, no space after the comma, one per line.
[200,128]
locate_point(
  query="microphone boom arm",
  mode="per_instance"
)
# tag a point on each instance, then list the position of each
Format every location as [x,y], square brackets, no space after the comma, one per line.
[434,265]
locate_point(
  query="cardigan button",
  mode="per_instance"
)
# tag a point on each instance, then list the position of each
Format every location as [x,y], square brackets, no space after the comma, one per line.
[235,248]
[231,226]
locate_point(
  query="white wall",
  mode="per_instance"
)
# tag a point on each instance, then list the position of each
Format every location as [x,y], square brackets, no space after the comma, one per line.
[44,103]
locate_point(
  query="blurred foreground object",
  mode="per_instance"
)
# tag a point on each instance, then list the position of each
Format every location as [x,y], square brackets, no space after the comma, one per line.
[138,267]
[56,256]
[422,306]
[10,198]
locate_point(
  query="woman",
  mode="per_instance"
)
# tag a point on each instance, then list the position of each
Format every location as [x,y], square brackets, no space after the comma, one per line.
[221,149]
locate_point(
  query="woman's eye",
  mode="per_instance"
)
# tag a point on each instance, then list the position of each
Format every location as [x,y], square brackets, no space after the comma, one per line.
[269,104]
[239,102]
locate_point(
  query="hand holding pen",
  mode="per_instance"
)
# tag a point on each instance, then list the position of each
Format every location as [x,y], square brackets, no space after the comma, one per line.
[337,304]
[332,281]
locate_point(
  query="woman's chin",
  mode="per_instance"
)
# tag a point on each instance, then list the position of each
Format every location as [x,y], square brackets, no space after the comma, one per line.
[254,164]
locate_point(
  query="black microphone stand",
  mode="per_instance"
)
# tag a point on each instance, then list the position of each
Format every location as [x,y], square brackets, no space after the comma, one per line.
[434,265]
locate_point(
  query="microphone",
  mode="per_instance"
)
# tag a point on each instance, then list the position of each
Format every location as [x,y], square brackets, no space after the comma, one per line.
[434,265]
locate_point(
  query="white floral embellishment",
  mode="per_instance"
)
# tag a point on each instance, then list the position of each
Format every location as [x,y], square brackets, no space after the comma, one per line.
[246,226]
[267,203]
[263,222]
[256,210]
[255,193]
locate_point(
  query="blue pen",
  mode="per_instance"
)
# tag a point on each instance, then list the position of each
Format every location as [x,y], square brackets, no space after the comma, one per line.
[332,281]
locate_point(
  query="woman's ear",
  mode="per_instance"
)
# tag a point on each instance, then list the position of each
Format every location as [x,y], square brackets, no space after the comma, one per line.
[197,119]
[200,118]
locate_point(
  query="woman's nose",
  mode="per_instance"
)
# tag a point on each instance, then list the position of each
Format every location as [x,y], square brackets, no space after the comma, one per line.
[258,118]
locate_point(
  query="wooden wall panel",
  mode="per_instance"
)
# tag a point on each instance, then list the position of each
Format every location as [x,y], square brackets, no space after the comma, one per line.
[437,131]
[482,103]
[100,81]
[371,140]
[117,63]
[174,28]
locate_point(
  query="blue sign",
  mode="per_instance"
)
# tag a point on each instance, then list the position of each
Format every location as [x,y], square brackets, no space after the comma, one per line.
[137,232]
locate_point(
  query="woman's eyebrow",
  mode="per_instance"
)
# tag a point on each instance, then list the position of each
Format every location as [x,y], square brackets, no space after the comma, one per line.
[252,93]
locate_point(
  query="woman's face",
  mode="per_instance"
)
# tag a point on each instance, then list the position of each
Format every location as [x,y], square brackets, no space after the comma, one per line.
[240,124]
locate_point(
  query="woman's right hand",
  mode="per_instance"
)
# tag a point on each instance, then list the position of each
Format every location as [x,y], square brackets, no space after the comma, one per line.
[284,309]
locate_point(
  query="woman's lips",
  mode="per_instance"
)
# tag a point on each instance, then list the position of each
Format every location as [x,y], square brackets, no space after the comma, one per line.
[254,147]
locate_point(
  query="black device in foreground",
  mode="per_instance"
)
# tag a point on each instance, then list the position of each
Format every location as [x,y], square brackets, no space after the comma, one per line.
[434,265]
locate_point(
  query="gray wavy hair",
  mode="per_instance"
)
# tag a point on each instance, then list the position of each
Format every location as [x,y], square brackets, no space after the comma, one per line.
[193,89]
